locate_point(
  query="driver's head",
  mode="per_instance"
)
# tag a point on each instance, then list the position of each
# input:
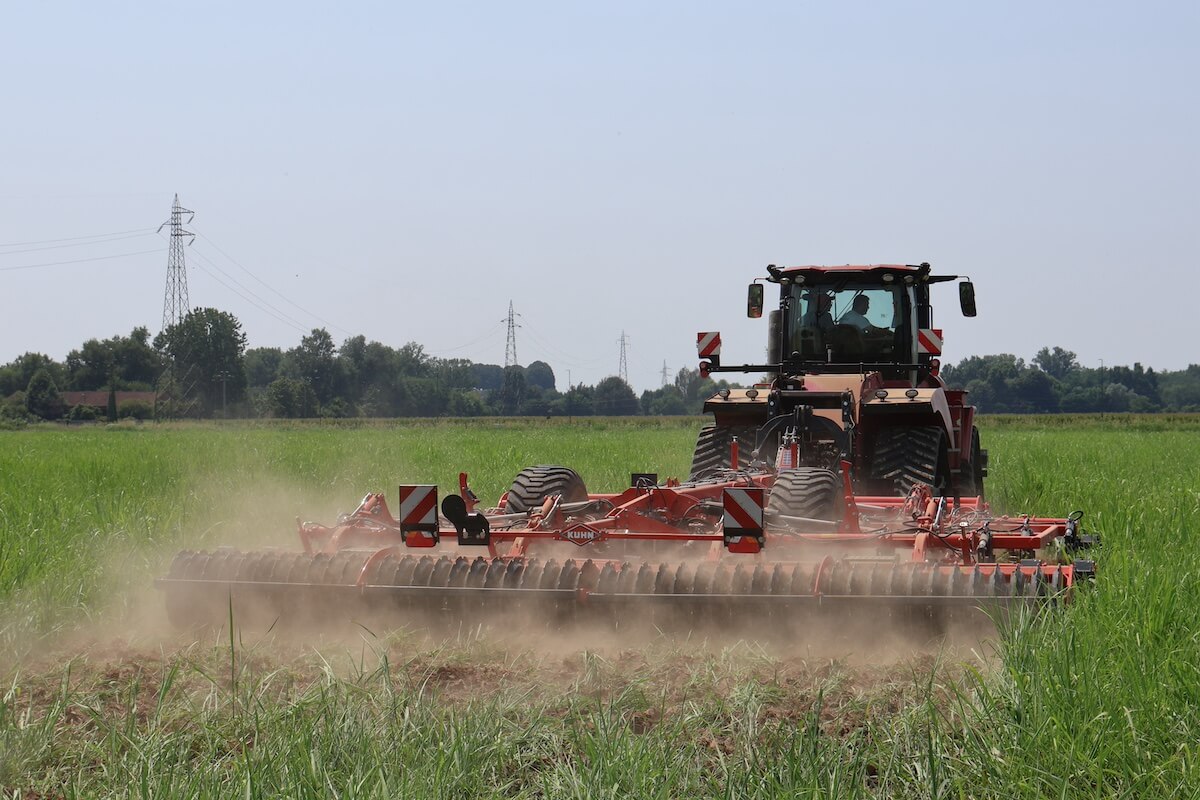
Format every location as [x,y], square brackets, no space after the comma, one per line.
[861,303]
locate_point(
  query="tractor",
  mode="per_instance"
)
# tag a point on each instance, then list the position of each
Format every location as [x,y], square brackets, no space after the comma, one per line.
[851,382]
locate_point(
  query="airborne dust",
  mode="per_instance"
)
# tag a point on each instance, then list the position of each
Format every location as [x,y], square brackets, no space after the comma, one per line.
[521,647]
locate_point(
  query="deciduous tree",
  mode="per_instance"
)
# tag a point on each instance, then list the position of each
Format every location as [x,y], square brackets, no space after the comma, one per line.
[42,398]
[614,398]
[208,349]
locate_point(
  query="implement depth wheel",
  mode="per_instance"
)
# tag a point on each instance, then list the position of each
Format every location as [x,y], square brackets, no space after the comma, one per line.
[809,492]
[533,485]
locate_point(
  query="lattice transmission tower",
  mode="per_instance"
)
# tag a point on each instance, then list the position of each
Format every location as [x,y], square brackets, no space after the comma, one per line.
[623,370]
[175,299]
[666,374]
[510,347]
[175,390]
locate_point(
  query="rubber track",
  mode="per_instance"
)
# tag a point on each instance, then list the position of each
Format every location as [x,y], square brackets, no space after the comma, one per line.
[809,492]
[838,577]
[968,482]
[534,484]
[907,456]
[712,448]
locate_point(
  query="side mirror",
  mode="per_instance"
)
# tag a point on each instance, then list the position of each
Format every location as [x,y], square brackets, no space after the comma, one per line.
[754,301]
[966,298]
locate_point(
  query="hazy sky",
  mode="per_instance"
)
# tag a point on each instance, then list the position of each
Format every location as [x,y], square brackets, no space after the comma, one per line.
[404,170]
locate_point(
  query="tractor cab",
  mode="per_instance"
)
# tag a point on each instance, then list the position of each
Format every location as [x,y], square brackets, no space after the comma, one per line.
[857,319]
[844,322]
[851,378]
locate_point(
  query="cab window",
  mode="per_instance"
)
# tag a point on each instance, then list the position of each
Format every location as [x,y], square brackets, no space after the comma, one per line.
[847,323]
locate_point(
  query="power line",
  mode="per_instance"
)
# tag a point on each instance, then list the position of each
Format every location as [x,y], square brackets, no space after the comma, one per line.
[239,265]
[78,238]
[283,316]
[485,335]
[78,244]
[553,358]
[248,298]
[269,313]
[555,353]
[80,260]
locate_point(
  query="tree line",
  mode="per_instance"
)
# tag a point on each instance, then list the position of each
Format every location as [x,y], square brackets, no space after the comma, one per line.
[202,367]
[1054,381]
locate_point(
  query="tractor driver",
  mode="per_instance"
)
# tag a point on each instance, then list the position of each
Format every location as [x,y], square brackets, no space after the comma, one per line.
[815,325]
[857,315]
[817,316]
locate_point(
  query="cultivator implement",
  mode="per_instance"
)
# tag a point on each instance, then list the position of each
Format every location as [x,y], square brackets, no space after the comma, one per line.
[720,551]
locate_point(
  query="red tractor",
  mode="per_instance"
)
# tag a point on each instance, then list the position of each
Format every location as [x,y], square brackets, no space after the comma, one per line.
[851,383]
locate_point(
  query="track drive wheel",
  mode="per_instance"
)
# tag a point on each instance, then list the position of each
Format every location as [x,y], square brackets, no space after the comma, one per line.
[969,482]
[905,456]
[712,448]
[533,485]
[810,492]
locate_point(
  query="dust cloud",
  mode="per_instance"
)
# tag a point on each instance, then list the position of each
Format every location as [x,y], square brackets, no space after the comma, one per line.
[133,624]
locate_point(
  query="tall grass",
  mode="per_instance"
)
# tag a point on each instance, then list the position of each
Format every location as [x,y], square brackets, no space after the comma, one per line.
[1099,701]
[87,512]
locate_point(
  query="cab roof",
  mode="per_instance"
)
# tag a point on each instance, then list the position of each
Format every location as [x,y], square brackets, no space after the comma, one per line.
[855,272]
[857,268]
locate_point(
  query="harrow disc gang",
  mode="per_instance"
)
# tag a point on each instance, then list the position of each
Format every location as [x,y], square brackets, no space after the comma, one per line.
[266,587]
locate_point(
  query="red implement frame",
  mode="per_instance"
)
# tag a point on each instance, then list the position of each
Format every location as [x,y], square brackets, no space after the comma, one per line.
[947,532]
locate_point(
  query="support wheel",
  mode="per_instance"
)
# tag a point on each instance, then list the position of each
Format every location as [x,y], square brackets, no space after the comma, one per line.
[810,492]
[907,456]
[533,485]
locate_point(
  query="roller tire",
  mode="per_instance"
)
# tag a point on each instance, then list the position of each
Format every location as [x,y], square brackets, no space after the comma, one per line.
[906,456]
[533,485]
[810,492]
[712,448]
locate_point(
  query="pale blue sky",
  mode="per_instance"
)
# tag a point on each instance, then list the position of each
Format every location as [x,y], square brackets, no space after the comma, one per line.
[404,171]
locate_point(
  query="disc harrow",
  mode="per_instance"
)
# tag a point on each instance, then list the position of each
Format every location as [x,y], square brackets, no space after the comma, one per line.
[696,553]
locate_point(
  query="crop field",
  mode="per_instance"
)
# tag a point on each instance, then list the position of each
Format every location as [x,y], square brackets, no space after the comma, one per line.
[100,698]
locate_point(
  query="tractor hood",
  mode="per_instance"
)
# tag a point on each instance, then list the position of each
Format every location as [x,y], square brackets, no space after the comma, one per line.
[824,393]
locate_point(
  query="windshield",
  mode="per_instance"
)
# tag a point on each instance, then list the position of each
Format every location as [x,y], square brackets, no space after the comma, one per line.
[849,324]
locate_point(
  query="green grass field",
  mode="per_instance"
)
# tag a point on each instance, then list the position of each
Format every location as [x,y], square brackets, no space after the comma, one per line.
[1101,700]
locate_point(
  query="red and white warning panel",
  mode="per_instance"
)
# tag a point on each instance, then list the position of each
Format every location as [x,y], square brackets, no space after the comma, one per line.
[929,341]
[708,344]
[743,520]
[419,515]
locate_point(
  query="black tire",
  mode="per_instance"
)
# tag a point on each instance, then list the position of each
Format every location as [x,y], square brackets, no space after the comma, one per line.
[976,465]
[906,456]
[712,448]
[810,492]
[533,485]
[969,481]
